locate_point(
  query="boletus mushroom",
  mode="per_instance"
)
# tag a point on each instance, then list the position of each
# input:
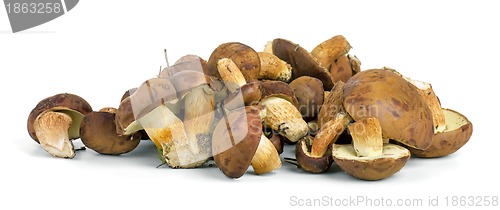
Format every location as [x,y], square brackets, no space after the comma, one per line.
[55,121]
[302,62]
[236,139]
[307,161]
[403,114]
[242,55]
[98,132]
[368,158]
[273,68]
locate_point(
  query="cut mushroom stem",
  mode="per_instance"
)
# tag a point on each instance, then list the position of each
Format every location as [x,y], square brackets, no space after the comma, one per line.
[367,137]
[230,74]
[328,134]
[284,117]
[266,158]
[52,132]
[425,90]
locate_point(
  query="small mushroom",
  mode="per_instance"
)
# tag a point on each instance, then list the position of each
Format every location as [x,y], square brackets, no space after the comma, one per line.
[368,158]
[457,133]
[266,158]
[310,95]
[308,162]
[55,121]
[98,132]
[273,68]
[236,139]
[330,50]
[302,62]
[242,55]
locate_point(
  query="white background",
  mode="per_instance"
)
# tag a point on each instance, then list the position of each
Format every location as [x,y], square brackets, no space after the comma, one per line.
[102,48]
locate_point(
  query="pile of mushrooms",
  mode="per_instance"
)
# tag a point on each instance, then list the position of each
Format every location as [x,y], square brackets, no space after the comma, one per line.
[241,107]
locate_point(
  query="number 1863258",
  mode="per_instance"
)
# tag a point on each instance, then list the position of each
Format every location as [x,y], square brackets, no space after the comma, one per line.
[34,8]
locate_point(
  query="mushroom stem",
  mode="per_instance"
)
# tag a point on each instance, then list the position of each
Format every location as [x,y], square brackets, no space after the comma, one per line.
[198,115]
[328,134]
[284,117]
[266,158]
[230,74]
[52,132]
[367,137]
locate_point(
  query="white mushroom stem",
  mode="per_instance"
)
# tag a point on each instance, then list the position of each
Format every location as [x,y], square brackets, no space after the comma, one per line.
[230,74]
[198,114]
[284,117]
[266,158]
[367,137]
[273,68]
[52,132]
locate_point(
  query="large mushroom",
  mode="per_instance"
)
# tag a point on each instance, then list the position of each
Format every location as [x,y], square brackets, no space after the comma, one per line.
[55,121]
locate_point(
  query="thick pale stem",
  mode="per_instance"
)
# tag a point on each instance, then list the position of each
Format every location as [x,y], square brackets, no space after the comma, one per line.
[198,115]
[367,137]
[52,132]
[284,117]
[230,74]
[266,158]
[328,134]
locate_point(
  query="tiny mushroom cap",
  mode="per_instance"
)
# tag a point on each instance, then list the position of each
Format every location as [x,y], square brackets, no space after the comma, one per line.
[309,163]
[98,132]
[402,112]
[55,121]
[310,95]
[235,140]
[457,133]
[302,62]
[242,55]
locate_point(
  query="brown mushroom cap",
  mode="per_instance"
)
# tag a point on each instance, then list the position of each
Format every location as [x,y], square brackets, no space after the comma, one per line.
[243,56]
[72,105]
[403,114]
[457,134]
[309,163]
[235,140]
[278,141]
[310,95]
[302,62]
[394,157]
[330,50]
[98,132]
[341,69]
[278,89]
